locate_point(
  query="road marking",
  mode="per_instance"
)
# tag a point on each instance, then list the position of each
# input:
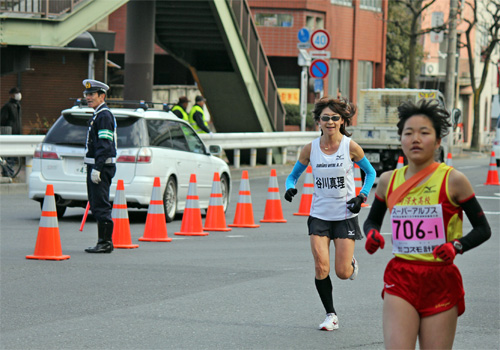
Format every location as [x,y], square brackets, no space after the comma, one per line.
[492,212]
[485,197]
[235,236]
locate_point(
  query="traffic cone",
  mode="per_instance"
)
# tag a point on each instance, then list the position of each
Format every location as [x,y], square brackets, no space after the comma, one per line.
[48,242]
[492,178]
[244,209]
[307,194]
[215,219]
[401,162]
[191,219]
[449,160]
[156,225]
[273,211]
[121,225]
[358,183]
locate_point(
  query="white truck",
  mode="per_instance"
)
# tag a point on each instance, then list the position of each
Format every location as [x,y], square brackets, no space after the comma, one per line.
[376,131]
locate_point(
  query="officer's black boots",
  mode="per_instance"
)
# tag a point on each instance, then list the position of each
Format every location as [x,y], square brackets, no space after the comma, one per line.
[104,243]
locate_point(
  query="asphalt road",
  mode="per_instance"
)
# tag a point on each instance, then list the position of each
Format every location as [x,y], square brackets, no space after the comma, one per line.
[242,289]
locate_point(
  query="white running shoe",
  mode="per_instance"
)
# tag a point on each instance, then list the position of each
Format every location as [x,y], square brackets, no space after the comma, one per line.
[331,322]
[355,265]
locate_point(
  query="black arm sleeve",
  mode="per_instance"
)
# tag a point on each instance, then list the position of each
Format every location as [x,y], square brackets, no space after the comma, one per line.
[375,216]
[481,230]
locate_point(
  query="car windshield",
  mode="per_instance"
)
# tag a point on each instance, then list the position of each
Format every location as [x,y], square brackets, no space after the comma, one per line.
[71,130]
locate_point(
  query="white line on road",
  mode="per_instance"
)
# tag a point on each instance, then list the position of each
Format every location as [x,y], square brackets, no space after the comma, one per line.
[485,197]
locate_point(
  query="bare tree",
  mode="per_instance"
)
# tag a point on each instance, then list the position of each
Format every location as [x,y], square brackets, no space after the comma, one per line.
[416,8]
[486,20]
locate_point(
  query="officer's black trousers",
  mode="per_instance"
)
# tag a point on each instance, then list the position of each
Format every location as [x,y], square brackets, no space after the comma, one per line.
[99,193]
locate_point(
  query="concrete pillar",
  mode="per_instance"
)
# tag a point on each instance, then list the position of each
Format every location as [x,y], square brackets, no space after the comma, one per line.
[139,50]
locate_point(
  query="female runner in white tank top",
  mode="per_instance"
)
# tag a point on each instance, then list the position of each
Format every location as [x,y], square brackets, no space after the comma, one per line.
[335,206]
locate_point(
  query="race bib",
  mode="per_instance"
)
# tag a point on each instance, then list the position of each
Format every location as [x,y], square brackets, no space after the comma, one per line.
[330,182]
[417,229]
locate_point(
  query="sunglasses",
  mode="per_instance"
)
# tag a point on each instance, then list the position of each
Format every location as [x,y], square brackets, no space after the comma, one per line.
[326,118]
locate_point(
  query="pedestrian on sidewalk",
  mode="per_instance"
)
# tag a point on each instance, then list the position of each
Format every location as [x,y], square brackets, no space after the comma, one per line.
[423,290]
[197,116]
[335,206]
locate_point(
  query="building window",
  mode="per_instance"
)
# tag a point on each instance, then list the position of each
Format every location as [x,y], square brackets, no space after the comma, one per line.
[310,22]
[339,78]
[273,20]
[365,75]
[372,5]
[320,23]
[342,2]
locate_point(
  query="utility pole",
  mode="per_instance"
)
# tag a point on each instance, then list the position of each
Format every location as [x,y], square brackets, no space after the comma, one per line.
[449,88]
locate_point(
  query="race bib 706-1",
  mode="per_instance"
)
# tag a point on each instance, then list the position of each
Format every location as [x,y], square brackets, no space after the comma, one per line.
[417,229]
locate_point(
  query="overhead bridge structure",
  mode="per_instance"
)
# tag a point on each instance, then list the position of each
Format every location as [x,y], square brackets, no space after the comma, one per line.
[215,39]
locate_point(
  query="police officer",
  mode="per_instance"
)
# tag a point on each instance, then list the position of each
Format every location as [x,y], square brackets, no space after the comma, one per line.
[100,157]
[180,109]
[196,116]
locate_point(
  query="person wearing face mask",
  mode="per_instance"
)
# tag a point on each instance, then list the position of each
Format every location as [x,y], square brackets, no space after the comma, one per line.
[11,112]
[11,116]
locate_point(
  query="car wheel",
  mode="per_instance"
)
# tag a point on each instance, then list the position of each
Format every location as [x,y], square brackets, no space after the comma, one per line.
[170,199]
[224,187]
[59,209]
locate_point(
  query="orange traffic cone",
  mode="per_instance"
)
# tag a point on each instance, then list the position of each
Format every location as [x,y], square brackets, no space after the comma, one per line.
[449,160]
[121,225]
[492,178]
[244,209]
[191,219]
[307,194]
[48,242]
[401,162]
[273,211]
[358,183]
[216,219]
[156,225]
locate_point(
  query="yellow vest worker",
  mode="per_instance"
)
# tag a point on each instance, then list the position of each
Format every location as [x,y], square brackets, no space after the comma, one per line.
[196,116]
[180,108]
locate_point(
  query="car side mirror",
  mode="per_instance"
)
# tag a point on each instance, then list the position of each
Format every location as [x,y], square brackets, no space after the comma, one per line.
[215,150]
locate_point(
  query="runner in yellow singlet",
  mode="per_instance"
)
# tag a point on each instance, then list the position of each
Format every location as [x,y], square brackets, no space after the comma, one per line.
[423,290]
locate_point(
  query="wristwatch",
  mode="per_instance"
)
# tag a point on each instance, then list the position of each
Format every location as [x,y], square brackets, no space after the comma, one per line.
[363,196]
[458,246]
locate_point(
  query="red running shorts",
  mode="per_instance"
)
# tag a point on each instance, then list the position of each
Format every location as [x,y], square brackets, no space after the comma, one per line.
[430,287]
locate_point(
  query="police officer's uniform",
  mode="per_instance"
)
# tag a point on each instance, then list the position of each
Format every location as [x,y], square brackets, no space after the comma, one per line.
[100,156]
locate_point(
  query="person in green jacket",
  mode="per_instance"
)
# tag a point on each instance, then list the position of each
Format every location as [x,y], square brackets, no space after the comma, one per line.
[196,116]
[180,109]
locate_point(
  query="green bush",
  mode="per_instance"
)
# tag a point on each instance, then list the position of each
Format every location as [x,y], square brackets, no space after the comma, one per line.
[293,115]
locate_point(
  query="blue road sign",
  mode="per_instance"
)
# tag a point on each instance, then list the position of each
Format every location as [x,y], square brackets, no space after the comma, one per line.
[318,85]
[319,69]
[303,35]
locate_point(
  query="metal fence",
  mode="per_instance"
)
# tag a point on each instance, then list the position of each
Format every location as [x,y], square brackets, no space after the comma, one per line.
[38,8]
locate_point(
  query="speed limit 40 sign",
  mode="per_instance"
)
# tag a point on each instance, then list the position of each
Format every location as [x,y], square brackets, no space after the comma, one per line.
[320,39]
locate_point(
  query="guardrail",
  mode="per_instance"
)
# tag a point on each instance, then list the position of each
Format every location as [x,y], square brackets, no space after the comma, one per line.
[25,145]
[254,140]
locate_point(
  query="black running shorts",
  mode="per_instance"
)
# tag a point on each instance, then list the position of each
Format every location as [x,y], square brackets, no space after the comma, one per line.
[348,228]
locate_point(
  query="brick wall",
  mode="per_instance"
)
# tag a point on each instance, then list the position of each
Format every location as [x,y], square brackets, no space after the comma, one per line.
[56,77]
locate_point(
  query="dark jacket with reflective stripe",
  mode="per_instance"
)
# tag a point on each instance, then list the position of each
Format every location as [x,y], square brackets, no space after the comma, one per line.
[99,145]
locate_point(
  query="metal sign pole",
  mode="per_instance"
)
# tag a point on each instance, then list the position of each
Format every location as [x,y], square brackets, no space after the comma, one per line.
[303,98]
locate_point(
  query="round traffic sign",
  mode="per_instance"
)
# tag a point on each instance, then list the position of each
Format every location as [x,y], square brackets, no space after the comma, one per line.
[320,39]
[303,35]
[319,69]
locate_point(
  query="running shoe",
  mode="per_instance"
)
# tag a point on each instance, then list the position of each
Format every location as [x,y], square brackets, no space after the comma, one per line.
[355,265]
[331,322]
